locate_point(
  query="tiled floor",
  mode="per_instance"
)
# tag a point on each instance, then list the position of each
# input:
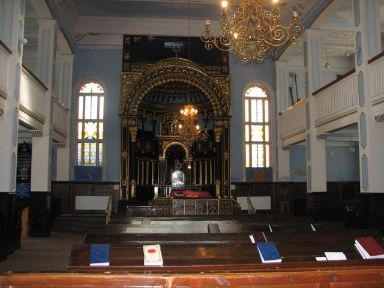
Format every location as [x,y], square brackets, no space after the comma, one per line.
[46,254]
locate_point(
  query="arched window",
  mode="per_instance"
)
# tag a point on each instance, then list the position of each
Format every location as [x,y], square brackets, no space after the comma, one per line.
[90,126]
[257,128]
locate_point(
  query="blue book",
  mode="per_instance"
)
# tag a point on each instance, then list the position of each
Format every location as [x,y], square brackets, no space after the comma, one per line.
[99,254]
[268,252]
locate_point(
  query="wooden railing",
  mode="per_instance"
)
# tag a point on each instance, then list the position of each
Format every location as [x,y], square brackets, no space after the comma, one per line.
[59,118]
[293,120]
[337,100]
[4,59]
[32,99]
[376,76]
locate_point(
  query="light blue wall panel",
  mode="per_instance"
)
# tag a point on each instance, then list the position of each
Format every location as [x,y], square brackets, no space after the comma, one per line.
[105,65]
[241,76]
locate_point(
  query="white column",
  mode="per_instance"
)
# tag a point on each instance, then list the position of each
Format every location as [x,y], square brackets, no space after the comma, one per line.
[282,102]
[316,156]
[63,150]
[46,51]
[42,140]
[40,166]
[13,30]
[371,133]
[66,81]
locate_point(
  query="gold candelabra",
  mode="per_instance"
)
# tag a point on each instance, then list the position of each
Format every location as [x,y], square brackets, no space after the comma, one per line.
[253,32]
[188,129]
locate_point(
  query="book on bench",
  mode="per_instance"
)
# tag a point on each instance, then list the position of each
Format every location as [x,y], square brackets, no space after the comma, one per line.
[268,252]
[258,237]
[369,248]
[152,255]
[99,254]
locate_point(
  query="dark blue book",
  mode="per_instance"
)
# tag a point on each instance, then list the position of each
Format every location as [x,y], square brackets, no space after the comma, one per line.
[268,252]
[99,254]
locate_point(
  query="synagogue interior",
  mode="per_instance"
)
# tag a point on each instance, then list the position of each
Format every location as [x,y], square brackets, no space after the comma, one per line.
[194,145]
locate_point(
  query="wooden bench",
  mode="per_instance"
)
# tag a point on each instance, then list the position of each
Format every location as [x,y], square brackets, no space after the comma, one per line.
[350,274]
[216,260]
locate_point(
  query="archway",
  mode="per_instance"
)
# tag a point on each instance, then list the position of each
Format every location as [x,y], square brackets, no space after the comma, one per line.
[151,98]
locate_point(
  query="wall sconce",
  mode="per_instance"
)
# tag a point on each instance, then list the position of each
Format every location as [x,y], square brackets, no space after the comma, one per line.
[23,41]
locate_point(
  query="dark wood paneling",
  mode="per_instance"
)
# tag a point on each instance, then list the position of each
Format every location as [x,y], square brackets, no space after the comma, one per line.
[64,194]
[10,228]
[292,192]
[39,220]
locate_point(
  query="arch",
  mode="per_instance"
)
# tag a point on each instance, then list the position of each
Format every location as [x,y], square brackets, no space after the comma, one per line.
[266,87]
[170,144]
[171,70]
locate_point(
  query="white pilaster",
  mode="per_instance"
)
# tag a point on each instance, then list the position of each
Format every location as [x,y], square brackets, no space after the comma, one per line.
[371,133]
[12,31]
[316,156]
[42,140]
[46,51]
[282,102]
[63,150]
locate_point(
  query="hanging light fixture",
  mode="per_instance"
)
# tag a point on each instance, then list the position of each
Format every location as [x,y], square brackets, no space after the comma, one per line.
[188,129]
[253,32]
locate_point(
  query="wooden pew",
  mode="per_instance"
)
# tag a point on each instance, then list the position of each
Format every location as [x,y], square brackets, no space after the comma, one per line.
[335,276]
[217,260]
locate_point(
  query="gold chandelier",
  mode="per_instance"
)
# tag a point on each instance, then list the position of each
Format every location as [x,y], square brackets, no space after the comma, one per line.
[188,130]
[253,32]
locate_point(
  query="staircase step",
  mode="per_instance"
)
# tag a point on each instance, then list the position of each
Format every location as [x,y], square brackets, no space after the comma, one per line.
[79,224]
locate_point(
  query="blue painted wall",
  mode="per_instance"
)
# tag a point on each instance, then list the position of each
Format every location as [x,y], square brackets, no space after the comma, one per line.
[241,76]
[105,65]
[342,163]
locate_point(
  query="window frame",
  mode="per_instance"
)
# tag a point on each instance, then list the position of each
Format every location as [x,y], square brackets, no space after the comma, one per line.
[97,119]
[252,120]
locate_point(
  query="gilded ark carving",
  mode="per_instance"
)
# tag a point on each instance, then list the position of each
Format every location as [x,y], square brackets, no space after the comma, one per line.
[135,86]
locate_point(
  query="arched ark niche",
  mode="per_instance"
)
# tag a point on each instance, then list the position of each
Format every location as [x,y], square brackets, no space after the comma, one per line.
[168,146]
[135,88]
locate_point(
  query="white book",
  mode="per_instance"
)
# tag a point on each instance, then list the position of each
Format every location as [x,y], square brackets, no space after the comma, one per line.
[152,255]
[335,256]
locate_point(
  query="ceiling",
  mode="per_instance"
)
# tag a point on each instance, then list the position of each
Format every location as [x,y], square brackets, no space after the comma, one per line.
[104,21]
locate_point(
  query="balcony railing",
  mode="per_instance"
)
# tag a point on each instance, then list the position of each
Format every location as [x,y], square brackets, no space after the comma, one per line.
[293,121]
[337,100]
[336,104]
[33,95]
[5,53]
[376,76]
[59,118]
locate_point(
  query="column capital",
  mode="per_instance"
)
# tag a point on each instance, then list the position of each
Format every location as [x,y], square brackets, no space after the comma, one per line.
[59,145]
[37,133]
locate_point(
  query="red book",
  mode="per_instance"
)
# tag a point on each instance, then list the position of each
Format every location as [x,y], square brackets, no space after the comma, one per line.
[258,237]
[370,246]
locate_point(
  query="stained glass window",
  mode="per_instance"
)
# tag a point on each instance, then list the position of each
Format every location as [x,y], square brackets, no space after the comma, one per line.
[90,126]
[256,128]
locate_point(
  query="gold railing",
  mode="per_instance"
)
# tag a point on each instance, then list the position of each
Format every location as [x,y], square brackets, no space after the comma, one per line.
[193,206]
[108,211]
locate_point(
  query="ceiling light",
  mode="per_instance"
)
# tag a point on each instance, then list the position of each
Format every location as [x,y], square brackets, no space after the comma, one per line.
[252,32]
